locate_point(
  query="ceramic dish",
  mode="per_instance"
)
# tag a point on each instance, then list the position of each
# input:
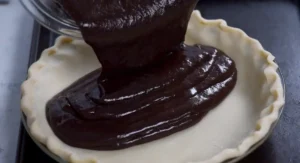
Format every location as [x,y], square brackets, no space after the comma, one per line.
[229,132]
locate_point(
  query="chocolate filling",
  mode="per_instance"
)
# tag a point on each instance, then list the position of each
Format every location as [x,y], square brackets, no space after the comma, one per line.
[151,84]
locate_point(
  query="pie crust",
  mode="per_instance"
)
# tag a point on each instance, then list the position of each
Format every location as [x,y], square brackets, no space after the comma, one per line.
[228,131]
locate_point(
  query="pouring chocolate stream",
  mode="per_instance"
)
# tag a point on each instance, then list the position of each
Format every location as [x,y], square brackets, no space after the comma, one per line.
[151,84]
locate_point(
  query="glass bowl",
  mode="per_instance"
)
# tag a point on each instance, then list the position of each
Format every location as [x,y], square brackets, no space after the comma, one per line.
[50,14]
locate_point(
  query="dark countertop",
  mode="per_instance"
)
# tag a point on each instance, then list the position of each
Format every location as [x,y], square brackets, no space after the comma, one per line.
[276,24]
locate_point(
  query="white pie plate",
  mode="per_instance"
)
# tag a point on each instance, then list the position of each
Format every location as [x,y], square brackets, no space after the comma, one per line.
[229,132]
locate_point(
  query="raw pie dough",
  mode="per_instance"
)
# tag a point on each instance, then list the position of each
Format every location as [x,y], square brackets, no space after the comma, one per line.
[228,131]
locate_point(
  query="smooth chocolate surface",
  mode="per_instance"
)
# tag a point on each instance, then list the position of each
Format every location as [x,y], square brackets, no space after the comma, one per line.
[115,112]
[151,84]
[128,34]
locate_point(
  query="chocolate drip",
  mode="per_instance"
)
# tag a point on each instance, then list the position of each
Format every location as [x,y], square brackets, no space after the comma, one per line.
[151,85]
[116,112]
[128,34]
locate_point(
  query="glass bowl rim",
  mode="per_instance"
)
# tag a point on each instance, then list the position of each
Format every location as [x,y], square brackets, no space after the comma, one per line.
[53,23]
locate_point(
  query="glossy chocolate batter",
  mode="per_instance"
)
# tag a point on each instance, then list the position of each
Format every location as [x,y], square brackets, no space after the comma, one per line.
[110,113]
[165,86]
